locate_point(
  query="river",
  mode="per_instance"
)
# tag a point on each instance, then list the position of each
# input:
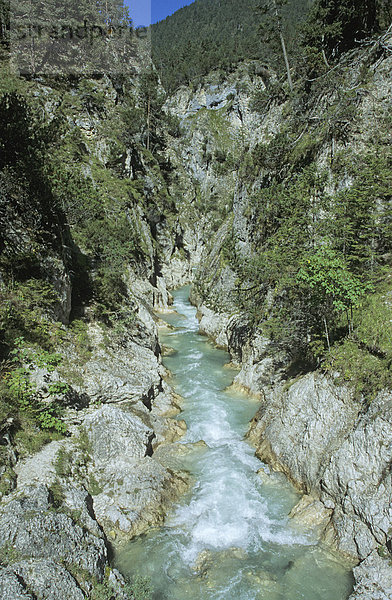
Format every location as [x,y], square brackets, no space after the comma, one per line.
[230,537]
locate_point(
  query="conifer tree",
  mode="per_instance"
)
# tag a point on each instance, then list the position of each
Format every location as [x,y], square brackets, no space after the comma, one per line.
[59,36]
[272,30]
[334,26]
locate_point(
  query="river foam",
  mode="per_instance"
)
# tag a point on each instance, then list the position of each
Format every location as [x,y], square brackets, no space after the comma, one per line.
[230,537]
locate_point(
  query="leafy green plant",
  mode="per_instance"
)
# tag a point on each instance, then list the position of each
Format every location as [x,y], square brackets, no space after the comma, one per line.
[103,591]
[47,414]
[9,555]
[331,285]
[25,311]
[83,443]
[94,487]
[82,340]
[7,481]
[29,439]
[140,588]
[365,373]
[57,493]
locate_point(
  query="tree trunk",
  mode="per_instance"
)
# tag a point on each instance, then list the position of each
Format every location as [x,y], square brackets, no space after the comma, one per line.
[323,52]
[326,333]
[148,123]
[286,60]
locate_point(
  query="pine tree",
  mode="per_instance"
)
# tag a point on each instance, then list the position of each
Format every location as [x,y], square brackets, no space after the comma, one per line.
[334,26]
[271,28]
[58,36]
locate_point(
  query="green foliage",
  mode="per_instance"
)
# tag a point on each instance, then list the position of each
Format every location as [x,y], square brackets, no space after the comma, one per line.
[46,413]
[373,324]
[81,340]
[25,311]
[138,589]
[327,276]
[385,552]
[83,443]
[227,33]
[362,216]
[328,290]
[8,403]
[106,226]
[334,26]
[365,373]
[261,99]
[29,439]
[94,488]
[151,101]
[9,555]
[57,493]
[7,481]
[345,235]
[103,591]
[63,463]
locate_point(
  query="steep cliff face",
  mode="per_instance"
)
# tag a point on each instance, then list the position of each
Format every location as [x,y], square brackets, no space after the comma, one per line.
[90,241]
[330,436]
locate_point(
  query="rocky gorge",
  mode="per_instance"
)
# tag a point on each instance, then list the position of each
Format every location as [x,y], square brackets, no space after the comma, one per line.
[313,427]
[92,247]
[78,497]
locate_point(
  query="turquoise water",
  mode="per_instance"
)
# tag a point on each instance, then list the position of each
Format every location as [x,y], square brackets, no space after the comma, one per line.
[230,537]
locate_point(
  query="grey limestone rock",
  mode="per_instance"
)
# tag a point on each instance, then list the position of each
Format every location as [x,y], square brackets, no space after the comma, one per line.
[11,587]
[213,324]
[261,366]
[299,428]
[118,375]
[329,444]
[32,528]
[373,579]
[116,434]
[358,476]
[136,494]
[46,580]
[40,468]
[135,490]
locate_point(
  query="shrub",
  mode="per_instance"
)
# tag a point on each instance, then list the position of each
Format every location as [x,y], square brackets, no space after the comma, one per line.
[23,393]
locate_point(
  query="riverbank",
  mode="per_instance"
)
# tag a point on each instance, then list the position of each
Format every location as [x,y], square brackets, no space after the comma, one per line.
[314,430]
[229,536]
[81,496]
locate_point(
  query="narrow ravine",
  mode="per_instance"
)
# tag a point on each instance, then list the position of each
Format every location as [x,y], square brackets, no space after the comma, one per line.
[230,537]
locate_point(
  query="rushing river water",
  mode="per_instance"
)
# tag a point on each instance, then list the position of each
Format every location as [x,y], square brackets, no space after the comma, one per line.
[230,537]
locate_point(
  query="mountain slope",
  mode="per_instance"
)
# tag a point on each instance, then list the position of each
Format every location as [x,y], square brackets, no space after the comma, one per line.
[213,34]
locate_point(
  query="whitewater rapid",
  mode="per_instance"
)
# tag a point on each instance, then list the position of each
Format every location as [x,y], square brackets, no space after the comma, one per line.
[230,537]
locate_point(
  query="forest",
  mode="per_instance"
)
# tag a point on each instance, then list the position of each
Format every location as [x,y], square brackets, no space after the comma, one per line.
[210,35]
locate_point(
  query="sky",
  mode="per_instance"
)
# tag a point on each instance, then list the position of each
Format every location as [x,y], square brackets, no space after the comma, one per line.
[144,12]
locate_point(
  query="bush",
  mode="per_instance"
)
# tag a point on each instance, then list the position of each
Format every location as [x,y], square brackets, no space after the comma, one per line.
[364,361]
[22,392]
[365,373]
